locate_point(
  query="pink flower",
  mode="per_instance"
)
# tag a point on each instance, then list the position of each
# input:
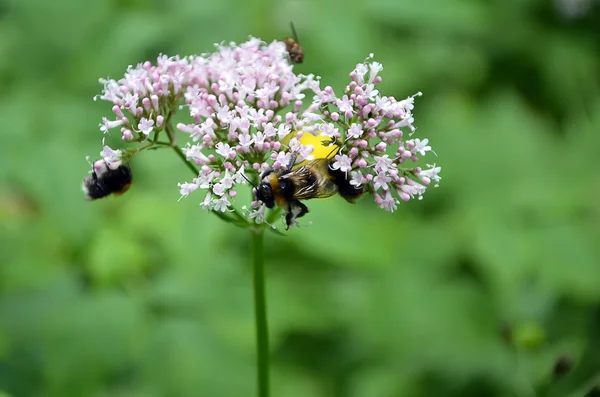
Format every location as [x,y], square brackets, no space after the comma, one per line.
[374,133]
[381,181]
[186,188]
[242,101]
[146,126]
[355,131]
[345,105]
[224,150]
[342,163]
[111,157]
[388,202]
[109,124]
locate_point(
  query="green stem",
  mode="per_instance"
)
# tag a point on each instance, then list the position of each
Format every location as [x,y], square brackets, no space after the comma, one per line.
[171,136]
[187,163]
[260,310]
[258,267]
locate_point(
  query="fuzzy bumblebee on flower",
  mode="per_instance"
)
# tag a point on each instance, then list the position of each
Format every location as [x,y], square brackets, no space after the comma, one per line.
[248,122]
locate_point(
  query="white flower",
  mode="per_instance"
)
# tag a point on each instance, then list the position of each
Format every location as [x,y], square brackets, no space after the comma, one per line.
[325,96]
[111,157]
[223,149]
[381,181]
[421,146]
[407,104]
[109,124]
[305,152]
[431,173]
[383,163]
[388,203]
[219,189]
[361,70]
[413,188]
[355,131]
[146,125]
[342,162]
[370,91]
[258,215]
[186,188]
[99,167]
[130,101]
[207,203]
[269,131]
[311,118]
[227,180]
[204,179]
[328,129]
[259,139]
[194,152]
[374,68]
[345,105]
[282,131]
[283,158]
[224,114]
[240,176]
[294,145]
[357,179]
[383,104]
[221,204]
[234,124]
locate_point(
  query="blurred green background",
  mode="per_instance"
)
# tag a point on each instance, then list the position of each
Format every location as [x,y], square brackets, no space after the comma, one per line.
[477,290]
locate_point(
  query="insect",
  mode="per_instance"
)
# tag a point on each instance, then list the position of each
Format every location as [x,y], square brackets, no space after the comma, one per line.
[107,181]
[315,179]
[294,49]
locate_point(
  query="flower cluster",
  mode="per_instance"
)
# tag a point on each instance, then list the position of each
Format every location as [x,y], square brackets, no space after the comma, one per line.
[245,115]
[234,97]
[368,127]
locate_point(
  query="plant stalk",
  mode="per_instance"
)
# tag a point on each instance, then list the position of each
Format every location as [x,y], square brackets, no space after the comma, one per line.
[260,310]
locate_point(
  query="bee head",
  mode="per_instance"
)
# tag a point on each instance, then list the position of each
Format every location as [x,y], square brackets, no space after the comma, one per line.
[264,193]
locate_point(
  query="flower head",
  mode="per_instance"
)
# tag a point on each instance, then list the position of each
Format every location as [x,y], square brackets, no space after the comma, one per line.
[244,106]
[373,150]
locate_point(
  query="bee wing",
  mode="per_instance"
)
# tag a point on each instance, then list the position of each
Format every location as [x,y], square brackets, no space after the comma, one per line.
[312,180]
[318,189]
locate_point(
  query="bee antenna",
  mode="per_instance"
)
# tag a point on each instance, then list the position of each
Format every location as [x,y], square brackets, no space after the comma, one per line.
[244,176]
[294,31]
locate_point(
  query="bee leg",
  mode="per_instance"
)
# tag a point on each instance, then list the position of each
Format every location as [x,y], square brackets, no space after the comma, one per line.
[303,209]
[289,218]
[296,210]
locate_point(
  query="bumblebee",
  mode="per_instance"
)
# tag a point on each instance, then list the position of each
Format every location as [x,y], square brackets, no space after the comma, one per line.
[107,181]
[294,49]
[315,179]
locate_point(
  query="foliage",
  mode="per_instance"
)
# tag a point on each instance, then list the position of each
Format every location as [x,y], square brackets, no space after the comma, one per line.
[145,296]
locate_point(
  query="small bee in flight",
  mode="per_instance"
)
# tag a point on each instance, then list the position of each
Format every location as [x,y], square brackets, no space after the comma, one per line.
[107,181]
[315,179]
[294,49]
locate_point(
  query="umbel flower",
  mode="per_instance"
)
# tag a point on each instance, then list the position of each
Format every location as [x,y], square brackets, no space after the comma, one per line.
[247,113]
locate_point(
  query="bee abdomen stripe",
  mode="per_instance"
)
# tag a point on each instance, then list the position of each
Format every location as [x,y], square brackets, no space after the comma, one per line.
[345,189]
